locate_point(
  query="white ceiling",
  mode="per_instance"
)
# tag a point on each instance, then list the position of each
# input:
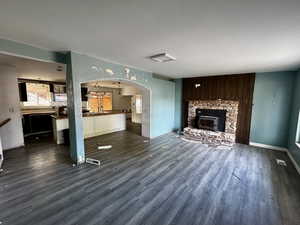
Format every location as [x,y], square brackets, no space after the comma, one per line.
[32,69]
[206,36]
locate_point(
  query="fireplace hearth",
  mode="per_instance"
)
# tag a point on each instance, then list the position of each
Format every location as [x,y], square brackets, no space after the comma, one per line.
[212,121]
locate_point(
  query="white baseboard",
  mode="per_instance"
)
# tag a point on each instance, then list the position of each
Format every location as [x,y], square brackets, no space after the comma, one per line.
[272,147]
[277,148]
[293,161]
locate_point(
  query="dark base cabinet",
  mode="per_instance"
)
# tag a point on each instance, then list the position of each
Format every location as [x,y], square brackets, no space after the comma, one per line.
[36,123]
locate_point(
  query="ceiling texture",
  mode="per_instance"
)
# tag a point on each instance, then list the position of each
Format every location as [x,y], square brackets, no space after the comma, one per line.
[207,37]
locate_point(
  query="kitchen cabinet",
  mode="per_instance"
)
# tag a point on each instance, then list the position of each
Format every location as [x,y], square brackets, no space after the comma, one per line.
[88,126]
[59,88]
[84,92]
[22,92]
[93,125]
[36,123]
[103,124]
[129,91]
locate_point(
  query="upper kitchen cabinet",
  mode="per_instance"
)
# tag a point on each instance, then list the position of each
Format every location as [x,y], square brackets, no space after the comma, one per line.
[84,92]
[59,88]
[23,92]
[129,91]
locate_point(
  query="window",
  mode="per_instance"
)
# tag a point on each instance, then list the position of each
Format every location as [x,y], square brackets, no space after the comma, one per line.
[100,101]
[298,132]
[138,104]
[93,103]
[38,94]
[107,101]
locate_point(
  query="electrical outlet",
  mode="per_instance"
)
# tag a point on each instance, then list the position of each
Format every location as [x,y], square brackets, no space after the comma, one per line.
[11,109]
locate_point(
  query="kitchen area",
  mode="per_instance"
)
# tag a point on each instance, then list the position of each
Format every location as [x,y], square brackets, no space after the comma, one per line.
[39,101]
[107,107]
[34,114]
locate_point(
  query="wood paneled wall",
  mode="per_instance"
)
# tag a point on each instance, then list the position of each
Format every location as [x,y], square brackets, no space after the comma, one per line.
[229,87]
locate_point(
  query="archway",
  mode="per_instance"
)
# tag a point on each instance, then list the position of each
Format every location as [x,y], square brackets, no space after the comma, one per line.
[146,102]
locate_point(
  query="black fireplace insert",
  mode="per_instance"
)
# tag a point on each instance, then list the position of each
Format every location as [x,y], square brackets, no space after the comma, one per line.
[210,119]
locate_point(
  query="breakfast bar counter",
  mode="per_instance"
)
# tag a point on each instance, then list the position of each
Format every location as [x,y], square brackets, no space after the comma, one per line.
[94,124]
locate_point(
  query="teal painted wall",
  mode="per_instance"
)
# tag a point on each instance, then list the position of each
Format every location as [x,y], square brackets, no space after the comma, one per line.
[178,104]
[19,49]
[294,150]
[272,100]
[162,106]
[275,91]
[79,69]
[74,112]
[82,69]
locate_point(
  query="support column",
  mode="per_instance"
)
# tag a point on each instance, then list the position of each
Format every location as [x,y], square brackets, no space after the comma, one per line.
[75,112]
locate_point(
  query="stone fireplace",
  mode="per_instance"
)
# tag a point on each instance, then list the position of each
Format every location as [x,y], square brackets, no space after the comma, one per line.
[212,121]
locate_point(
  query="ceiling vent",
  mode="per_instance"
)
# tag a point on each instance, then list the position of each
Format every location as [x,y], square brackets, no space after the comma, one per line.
[162,57]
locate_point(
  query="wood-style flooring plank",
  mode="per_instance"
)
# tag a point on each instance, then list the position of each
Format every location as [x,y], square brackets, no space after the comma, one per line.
[162,181]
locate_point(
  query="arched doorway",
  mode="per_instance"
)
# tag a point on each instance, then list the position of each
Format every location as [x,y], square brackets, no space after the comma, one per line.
[130,86]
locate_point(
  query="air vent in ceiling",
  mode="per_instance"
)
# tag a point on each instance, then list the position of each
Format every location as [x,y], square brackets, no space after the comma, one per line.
[162,57]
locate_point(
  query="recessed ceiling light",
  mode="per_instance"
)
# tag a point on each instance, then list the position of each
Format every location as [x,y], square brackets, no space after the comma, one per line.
[162,57]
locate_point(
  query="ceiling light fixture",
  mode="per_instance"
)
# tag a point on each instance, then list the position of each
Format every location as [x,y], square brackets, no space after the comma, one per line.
[127,71]
[162,57]
[109,71]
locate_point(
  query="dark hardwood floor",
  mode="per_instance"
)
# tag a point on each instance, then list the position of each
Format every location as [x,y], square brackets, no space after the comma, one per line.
[135,128]
[164,181]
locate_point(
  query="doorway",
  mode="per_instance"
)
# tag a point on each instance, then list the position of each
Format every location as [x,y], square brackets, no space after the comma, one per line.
[32,91]
[120,105]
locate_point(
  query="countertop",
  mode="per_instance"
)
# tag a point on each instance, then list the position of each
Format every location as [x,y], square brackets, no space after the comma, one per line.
[89,114]
[37,111]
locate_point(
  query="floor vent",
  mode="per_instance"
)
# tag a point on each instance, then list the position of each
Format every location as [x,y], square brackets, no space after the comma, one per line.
[281,162]
[92,161]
